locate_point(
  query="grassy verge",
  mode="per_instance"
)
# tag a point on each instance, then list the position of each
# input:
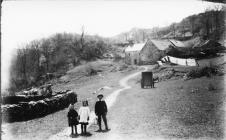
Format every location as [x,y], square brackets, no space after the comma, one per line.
[175,109]
[84,86]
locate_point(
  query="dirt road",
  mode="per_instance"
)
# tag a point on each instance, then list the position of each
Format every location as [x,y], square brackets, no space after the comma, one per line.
[175,109]
[111,98]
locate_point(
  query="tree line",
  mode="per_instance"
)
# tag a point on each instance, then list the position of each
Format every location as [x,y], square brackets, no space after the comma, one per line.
[208,25]
[56,54]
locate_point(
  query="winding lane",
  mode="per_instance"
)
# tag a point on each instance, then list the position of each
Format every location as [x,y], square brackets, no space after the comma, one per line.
[110,100]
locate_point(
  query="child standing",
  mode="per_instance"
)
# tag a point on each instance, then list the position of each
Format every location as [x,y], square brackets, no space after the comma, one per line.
[101,111]
[72,119]
[84,113]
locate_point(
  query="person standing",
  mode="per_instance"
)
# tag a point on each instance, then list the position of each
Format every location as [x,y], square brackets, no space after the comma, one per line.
[84,113]
[101,111]
[72,119]
[49,89]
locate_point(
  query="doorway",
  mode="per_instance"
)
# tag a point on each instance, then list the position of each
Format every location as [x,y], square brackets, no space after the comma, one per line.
[135,61]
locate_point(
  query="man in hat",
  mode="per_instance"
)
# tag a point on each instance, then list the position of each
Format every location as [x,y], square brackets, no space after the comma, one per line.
[101,111]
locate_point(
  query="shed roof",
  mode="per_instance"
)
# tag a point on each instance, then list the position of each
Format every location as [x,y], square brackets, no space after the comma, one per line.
[161,44]
[209,44]
[177,43]
[135,47]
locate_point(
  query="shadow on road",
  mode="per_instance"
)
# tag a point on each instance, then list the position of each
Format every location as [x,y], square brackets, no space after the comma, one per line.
[88,134]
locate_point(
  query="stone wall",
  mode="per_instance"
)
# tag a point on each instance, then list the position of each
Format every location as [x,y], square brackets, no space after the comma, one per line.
[23,111]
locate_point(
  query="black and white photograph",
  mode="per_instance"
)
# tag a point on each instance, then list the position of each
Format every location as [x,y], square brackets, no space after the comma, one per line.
[113,69]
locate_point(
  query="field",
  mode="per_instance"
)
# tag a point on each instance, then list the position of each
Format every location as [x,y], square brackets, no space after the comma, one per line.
[84,86]
[176,108]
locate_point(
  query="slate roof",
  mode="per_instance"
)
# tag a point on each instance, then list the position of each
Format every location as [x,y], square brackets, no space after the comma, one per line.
[135,47]
[176,43]
[162,44]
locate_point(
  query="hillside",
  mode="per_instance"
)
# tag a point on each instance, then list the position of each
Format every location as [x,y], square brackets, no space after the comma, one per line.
[207,25]
[40,60]
[137,34]
[216,1]
[59,53]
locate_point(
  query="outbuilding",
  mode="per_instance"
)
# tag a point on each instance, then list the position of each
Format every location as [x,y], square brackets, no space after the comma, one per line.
[146,53]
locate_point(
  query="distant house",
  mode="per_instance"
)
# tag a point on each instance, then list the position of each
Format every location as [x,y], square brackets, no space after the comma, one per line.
[132,53]
[178,49]
[146,53]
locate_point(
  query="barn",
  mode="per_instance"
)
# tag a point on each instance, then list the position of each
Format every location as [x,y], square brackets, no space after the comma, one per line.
[146,53]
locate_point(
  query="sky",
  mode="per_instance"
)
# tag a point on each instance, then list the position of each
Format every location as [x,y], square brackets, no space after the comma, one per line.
[23,21]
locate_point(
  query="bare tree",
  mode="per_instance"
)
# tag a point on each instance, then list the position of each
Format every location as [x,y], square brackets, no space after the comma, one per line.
[183,30]
[143,36]
[216,16]
[35,56]
[192,24]
[82,41]
[155,31]
[22,63]
[126,36]
[46,52]
[173,29]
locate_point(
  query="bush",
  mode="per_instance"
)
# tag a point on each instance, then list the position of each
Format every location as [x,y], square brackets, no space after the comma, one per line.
[204,71]
[211,87]
[117,57]
[92,72]
[194,74]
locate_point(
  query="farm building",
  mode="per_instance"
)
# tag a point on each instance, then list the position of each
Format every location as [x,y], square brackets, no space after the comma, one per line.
[208,47]
[199,50]
[178,49]
[155,49]
[146,53]
[132,53]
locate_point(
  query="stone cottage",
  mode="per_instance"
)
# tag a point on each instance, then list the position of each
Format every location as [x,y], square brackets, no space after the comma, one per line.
[146,53]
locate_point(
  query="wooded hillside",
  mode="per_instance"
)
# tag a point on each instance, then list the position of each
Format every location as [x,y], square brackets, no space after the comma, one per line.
[43,59]
[207,25]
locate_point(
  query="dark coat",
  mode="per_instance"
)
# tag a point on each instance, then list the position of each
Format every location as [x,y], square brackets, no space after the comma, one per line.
[101,108]
[72,117]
